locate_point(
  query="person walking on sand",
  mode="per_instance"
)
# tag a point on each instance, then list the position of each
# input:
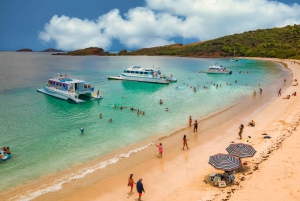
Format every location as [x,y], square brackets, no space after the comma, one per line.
[195,126]
[160,149]
[140,188]
[279,92]
[260,90]
[185,142]
[190,120]
[241,130]
[130,183]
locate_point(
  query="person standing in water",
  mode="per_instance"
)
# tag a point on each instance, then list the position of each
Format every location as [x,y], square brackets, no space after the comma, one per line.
[190,120]
[81,130]
[241,130]
[130,183]
[195,126]
[185,142]
[160,149]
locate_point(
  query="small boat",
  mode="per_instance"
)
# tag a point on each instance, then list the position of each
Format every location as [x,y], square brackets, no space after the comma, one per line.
[234,58]
[139,74]
[216,69]
[68,89]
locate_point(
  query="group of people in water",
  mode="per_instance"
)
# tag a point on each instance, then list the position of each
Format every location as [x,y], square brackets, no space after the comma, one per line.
[4,151]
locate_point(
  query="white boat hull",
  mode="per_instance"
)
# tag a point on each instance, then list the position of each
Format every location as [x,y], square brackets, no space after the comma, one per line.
[140,79]
[60,94]
[208,72]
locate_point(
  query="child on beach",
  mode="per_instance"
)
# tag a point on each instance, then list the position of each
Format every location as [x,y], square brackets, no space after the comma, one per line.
[185,142]
[160,149]
[241,130]
[130,183]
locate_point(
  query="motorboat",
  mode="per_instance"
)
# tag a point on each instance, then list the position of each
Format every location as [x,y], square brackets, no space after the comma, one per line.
[69,89]
[139,74]
[216,69]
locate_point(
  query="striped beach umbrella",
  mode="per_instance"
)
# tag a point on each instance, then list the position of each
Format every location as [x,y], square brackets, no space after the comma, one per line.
[225,162]
[241,150]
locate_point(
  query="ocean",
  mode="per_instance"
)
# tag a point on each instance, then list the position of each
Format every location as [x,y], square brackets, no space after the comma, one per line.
[43,132]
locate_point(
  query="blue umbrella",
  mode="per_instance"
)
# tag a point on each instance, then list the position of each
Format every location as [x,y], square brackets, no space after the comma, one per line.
[225,162]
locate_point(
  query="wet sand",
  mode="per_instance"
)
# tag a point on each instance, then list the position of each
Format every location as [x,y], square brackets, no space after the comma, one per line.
[184,174]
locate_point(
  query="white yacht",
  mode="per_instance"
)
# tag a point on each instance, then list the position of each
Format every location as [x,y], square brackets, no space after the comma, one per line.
[139,74]
[216,69]
[68,89]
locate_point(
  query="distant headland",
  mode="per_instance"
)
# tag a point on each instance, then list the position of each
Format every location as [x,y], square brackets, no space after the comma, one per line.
[86,52]
[30,50]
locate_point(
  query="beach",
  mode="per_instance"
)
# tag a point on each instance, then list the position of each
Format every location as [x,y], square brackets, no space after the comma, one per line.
[184,174]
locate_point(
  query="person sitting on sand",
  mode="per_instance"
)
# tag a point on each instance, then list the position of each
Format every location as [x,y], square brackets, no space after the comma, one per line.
[295,84]
[251,123]
[287,97]
[294,94]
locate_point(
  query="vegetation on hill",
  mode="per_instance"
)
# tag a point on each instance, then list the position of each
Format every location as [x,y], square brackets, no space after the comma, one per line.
[24,50]
[276,42]
[51,50]
[85,52]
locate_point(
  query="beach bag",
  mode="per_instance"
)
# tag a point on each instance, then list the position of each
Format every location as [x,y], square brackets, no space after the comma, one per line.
[222,184]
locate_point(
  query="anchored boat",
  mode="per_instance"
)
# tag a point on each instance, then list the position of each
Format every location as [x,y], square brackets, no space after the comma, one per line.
[216,69]
[68,89]
[139,74]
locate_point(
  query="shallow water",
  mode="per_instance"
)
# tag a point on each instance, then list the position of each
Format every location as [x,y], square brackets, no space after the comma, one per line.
[43,133]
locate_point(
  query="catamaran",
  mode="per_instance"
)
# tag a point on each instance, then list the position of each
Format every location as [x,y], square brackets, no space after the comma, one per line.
[69,89]
[139,74]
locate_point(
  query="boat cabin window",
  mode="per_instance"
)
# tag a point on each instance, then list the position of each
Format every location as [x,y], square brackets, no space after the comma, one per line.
[132,72]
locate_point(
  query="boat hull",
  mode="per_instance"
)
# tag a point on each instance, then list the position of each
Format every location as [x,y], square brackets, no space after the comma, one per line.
[140,79]
[64,96]
[229,72]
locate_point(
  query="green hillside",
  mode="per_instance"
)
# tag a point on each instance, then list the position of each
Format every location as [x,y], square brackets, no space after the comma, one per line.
[276,42]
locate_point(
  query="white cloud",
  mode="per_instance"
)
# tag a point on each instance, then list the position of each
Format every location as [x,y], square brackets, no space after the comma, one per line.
[161,20]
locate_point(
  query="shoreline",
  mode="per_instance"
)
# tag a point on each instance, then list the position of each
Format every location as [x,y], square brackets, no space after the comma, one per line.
[180,176]
[89,183]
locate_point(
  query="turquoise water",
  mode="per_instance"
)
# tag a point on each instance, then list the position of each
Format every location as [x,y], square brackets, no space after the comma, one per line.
[43,132]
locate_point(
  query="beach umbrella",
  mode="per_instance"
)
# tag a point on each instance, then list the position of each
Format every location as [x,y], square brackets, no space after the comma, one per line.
[225,162]
[241,150]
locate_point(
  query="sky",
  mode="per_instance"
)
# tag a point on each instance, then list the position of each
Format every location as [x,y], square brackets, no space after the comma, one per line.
[115,25]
